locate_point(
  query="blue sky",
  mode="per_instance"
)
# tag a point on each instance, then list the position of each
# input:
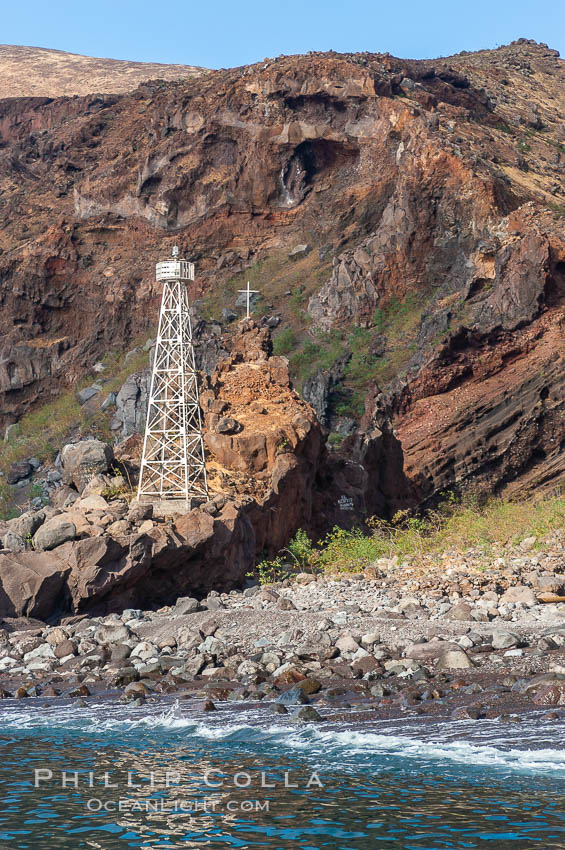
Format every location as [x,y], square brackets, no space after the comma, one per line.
[225,33]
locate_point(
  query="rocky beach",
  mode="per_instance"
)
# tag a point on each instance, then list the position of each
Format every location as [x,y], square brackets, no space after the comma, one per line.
[94,587]
[457,641]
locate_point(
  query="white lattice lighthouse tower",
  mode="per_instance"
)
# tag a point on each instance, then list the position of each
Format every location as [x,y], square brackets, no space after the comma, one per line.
[173,468]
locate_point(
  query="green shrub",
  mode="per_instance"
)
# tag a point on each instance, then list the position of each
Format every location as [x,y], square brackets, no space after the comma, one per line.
[301,552]
[453,525]
[284,342]
[301,549]
[7,510]
[270,571]
[348,402]
[335,439]
[347,551]
[379,318]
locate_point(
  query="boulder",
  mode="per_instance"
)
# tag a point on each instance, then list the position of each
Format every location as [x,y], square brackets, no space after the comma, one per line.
[27,523]
[548,597]
[299,251]
[549,583]
[64,497]
[19,471]
[57,636]
[123,677]
[139,511]
[102,567]
[241,300]
[53,533]
[131,404]
[519,593]
[461,611]
[78,519]
[91,503]
[228,425]
[347,644]
[13,542]
[97,486]
[109,401]
[551,694]
[306,714]
[365,665]
[285,604]
[32,584]
[294,696]
[118,529]
[112,633]
[120,651]
[82,461]
[504,640]
[44,650]
[186,605]
[87,393]
[81,691]
[144,650]
[454,659]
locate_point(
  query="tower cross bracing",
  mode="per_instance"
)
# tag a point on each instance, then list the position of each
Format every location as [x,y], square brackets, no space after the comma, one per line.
[173,467]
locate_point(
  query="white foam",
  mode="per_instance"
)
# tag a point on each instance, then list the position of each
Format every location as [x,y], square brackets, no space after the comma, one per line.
[404,747]
[329,743]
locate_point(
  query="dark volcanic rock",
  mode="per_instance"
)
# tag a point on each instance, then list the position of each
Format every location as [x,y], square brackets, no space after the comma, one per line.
[18,471]
[317,388]
[32,584]
[131,404]
[307,714]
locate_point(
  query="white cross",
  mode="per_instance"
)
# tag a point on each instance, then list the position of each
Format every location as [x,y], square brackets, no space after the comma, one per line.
[249,293]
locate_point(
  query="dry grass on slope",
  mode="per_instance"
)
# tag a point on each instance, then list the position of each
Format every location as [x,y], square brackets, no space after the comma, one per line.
[38,72]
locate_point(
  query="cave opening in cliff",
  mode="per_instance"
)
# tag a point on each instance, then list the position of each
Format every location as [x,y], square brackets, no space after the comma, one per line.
[555,287]
[312,158]
[321,155]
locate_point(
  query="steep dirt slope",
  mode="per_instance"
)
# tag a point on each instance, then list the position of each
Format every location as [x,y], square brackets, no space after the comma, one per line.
[428,196]
[39,72]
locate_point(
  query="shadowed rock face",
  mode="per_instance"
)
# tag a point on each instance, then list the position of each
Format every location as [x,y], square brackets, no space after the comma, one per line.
[438,180]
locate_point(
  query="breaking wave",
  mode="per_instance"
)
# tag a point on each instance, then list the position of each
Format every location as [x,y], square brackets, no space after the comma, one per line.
[332,742]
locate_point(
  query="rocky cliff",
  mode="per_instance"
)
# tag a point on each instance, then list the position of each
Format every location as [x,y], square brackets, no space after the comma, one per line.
[268,472]
[426,201]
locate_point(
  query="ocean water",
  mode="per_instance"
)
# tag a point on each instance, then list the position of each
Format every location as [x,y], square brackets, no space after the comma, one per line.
[107,776]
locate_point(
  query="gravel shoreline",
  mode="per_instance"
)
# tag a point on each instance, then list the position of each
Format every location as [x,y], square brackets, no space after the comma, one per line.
[467,643]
